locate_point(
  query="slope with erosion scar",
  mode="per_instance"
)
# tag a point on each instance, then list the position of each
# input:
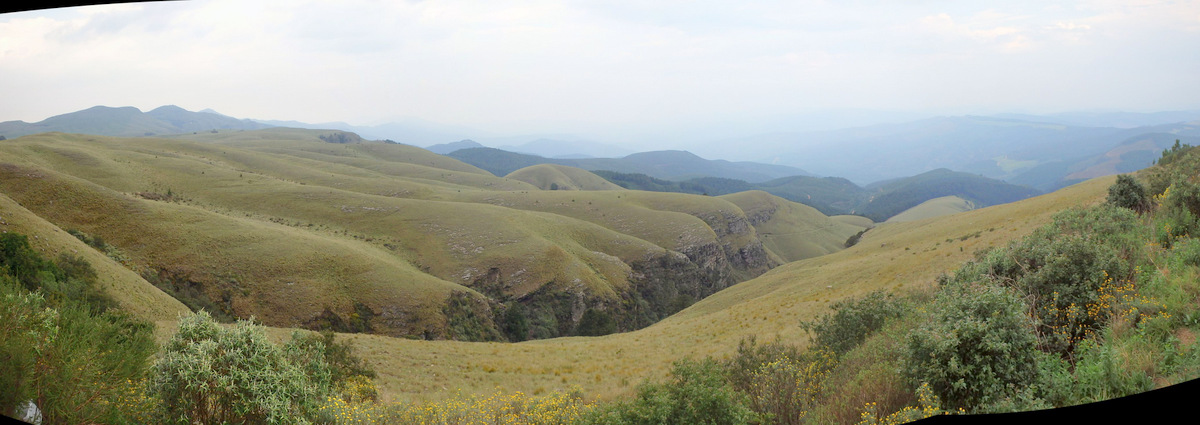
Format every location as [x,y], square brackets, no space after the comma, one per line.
[358,230]
[894,256]
[218,240]
[791,231]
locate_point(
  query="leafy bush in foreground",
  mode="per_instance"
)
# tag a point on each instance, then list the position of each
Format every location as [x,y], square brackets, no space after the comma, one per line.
[61,347]
[211,374]
[977,348]
[696,393]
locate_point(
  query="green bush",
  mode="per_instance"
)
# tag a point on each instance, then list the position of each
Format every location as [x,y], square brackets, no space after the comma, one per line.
[20,261]
[782,382]
[1065,269]
[1128,193]
[696,393]
[977,348]
[514,324]
[787,388]
[1099,374]
[211,374]
[1177,216]
[740,369]
[853,320]
[596,323]
[66,358]
[468,318]
[322,352]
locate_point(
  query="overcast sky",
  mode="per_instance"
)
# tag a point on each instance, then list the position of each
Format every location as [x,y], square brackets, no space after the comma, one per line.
[610,69]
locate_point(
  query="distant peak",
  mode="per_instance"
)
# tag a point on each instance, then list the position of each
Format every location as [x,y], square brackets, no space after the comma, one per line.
[211,111]
[167,109]
[112,108]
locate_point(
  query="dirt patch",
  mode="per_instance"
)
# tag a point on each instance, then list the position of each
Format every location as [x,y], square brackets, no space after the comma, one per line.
[1186,336]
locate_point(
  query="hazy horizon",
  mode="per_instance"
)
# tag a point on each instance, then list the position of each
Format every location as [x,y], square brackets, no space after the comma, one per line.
[633,75]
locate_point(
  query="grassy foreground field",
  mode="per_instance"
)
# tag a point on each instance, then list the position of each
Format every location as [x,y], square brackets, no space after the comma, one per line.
[894,256]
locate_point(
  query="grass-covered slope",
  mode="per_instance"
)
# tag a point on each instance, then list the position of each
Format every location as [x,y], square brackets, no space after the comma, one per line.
[793,231]
[893,256]
[561,177]
[129,290]
[376,237]
[893,197]
[934,208]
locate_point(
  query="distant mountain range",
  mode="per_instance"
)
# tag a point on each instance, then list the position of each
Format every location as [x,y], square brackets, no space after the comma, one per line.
[129,122]
[447,148]
[671,165]
[1045,152]
[1041,154]
[834,196]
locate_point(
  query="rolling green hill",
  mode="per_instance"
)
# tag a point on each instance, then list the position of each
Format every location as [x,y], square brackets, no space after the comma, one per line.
[896,196]
[833,196]
[899,257]
[385,238]
[935,207]
[560,177]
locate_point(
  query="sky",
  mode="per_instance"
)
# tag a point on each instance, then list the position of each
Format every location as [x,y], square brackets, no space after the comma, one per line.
[618,71]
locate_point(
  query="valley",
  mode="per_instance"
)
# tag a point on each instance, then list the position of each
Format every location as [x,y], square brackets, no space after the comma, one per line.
[551,281]
[390,241]
[280,225]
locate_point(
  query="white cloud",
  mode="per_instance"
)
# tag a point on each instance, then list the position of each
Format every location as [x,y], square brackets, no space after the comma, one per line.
[565,66]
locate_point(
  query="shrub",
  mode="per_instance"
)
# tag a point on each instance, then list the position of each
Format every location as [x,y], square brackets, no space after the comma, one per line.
[696,393]
[740,369]
[469,318]
[19,260]
[596,323]
[928,405]
[1069,271]
[870,373]
[66,358]
[853,321]
[786,388]
[211,374]
[514,323]
[1179,207]
[977,348]
[1128,193]
[348,373]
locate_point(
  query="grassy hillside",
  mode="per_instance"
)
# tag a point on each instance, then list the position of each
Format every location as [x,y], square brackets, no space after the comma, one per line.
[895,196]
[381,238]
[793,231]
[832,195]
[894,256]
[935,207]
[128,289]
[559,177]
[212,231]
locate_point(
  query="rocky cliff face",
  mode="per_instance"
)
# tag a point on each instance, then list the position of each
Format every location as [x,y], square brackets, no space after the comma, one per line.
[657,287]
